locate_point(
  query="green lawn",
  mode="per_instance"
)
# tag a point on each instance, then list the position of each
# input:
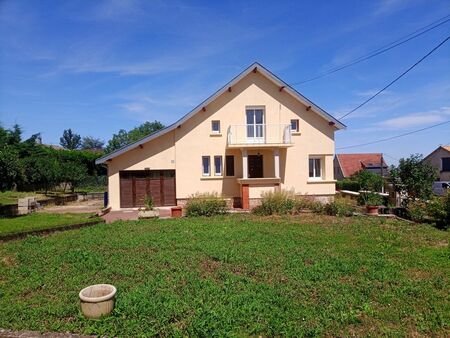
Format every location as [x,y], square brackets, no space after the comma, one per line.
[39,221]
[10,197]
[234,275]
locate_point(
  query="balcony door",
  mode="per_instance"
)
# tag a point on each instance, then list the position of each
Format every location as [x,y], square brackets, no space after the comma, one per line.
[255,125]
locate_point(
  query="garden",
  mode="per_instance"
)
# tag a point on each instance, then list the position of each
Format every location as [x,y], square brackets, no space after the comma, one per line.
[234,275]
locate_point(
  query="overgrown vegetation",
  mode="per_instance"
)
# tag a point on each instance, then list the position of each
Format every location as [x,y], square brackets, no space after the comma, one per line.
[436,209]
[371,198]
[341,206]
[361,180]
[206,204]
[234,275]
[41,221]
[413,177]
[276,203]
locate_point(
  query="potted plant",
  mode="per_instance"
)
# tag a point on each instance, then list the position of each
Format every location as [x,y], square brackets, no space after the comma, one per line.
[372,201]
[148,211]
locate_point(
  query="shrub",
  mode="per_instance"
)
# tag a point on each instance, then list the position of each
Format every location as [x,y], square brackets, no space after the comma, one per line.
[439,209]
[417,210]
[308,203]
[276,202]
[148,202]
[348,184]
[341,206]
[370,198]
[206,204]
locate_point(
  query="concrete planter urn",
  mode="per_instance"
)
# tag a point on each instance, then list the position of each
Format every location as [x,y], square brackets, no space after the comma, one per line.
[148,213]
[97,300]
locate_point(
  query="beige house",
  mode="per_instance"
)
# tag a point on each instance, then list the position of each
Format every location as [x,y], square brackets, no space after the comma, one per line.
[440,159]
[255,134]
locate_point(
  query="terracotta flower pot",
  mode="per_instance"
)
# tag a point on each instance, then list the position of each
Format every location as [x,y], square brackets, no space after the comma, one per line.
[97,300]
[372,209]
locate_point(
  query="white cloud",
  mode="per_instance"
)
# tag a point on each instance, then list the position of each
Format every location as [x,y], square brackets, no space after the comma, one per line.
[387,7]
[420,119]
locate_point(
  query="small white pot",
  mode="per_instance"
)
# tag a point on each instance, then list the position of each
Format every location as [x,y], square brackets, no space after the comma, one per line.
[97,300]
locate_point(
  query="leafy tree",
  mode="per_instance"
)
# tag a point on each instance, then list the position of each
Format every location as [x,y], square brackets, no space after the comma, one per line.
[91,143]
[11,168]
[73,173]
[368,180]
[122,138]
[42,172]
[70,140]
[414,177]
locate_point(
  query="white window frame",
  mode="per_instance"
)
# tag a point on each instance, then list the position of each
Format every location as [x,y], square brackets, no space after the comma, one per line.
[315,177]
[209,166]
[220,173]
[212,127]
[298,127]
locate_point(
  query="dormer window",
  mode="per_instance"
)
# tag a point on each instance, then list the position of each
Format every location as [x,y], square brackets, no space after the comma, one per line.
[215,127]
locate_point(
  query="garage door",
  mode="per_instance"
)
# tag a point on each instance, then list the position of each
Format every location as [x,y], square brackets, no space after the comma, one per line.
[136,185]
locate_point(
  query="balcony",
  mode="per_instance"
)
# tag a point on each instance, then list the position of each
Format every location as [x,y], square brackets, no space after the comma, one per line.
[259,135]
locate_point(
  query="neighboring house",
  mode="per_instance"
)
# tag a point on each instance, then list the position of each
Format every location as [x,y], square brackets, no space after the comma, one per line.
[440,159]
[345,165]
[255,134]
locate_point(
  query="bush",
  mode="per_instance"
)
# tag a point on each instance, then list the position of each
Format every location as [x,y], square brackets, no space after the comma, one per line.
[348,184]
[417,210]
[148,202]
[370,198]
[302,203]
[341,206]
[276,202]
[439,210]
[206,204]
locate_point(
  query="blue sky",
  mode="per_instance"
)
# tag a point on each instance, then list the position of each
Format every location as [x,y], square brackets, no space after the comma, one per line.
[99,66]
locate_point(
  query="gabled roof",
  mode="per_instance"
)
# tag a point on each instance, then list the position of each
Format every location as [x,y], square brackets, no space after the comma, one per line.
[352,163]
[255,67]
[446,148]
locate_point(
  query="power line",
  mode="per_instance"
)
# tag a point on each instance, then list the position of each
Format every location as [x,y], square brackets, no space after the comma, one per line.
[379,51]
[396,79]
[394,137]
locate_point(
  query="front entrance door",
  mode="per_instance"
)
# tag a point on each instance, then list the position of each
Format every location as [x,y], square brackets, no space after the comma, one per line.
[255,166]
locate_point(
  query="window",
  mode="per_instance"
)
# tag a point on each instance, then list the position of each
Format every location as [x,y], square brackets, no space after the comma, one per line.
[446,164]
[215,127]
[315,169]
[218,165]
[206,166]
[229,162]
[294,126]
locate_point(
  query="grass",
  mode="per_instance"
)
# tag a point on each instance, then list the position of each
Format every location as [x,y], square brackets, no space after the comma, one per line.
[234,275]
[10,197]
[40,221]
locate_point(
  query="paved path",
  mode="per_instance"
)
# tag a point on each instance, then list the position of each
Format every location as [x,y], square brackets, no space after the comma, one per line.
[123,215]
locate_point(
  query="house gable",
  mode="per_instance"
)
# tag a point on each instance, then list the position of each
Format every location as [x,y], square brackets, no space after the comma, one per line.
[282,87]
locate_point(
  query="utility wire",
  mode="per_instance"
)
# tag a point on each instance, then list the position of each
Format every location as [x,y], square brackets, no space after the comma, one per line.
[394,137]
[380,50]
[396,79]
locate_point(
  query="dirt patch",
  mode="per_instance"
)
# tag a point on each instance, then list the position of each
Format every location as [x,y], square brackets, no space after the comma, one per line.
[209,267]
[9,261]
[417,274]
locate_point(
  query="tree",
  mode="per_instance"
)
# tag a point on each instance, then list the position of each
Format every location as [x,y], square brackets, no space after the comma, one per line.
[91,143]
[368,180]
[413,177]
[11,168]
[73,172]
[70,140]
[123,138]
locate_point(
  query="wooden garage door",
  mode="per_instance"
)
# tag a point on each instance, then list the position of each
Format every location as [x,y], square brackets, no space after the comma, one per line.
[136,185]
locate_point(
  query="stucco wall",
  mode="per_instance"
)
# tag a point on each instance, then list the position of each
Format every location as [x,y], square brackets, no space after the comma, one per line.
[183,148]
[435,159]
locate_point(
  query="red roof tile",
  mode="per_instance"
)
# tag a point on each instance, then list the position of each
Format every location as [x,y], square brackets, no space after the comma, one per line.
[352,163]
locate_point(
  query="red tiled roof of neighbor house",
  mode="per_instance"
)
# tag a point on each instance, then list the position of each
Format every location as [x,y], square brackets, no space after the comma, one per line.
[352,163]
[446,148]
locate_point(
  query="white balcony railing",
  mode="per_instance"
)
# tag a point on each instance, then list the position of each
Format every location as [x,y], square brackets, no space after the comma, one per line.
[259,134]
